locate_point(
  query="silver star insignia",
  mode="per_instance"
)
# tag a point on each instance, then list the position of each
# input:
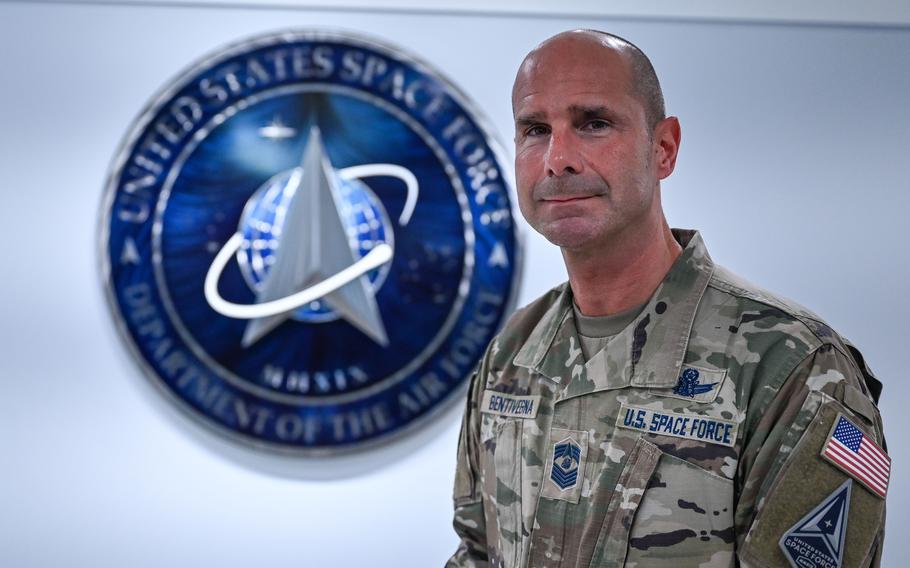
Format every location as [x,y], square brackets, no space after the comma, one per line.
[313,246]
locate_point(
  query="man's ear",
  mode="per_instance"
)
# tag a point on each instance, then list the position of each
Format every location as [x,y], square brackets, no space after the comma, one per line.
[666,137]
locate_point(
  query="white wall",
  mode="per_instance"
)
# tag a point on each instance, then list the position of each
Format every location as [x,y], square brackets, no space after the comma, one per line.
[877,12]
[796,140]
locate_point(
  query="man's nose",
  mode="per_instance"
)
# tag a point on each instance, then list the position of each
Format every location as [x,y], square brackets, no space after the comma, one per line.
[562,155]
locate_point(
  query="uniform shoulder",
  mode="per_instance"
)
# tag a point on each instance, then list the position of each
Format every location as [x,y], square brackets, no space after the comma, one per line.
[801,320]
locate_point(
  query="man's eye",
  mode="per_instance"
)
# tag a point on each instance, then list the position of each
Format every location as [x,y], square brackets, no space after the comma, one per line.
[595,125]
[536,130]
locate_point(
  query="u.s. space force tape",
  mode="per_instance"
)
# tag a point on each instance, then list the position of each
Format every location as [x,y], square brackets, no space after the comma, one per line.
[690,426]
[506,404]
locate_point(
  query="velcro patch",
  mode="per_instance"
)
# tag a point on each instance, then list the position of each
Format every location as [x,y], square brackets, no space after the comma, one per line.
[801,484]
[852,451]
[689,426]
[512,405]
[565,465]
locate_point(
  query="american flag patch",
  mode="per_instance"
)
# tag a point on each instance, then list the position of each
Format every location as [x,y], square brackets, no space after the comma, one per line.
[855,453]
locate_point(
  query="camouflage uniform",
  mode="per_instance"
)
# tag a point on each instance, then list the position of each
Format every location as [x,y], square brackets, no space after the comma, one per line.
[708,348]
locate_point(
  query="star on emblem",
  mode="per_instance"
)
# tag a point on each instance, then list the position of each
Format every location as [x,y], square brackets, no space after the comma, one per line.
[313,246]
[276,130]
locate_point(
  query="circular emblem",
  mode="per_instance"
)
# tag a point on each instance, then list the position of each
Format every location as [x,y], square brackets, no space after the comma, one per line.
[307,241]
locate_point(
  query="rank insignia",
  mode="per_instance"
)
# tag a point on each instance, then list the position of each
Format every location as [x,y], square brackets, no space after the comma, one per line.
[566,457]
[818,538]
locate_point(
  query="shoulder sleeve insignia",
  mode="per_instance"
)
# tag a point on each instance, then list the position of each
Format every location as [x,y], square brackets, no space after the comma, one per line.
[852,451]
[818,538]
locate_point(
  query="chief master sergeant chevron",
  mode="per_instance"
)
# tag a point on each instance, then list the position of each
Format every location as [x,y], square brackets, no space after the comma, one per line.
[656,410]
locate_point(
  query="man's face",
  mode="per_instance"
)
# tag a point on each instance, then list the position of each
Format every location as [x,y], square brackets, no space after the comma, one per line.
[584,159]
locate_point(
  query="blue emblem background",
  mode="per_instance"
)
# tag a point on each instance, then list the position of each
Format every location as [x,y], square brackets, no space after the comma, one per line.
[178,190]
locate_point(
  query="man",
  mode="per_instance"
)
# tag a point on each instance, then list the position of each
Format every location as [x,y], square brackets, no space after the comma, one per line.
[656,410]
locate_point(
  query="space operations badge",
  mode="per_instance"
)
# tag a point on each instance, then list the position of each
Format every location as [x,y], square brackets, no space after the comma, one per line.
[307,241]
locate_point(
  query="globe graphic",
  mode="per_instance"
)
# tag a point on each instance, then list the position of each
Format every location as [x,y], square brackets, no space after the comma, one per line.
[365,221]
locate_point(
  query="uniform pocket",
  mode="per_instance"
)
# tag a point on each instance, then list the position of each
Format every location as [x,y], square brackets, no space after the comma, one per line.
[685,518]
[501,440]
[612,541]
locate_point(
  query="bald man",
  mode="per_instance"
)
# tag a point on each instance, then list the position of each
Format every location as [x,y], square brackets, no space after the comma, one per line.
[655,410]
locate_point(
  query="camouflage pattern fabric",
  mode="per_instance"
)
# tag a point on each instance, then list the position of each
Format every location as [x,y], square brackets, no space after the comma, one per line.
[558,465]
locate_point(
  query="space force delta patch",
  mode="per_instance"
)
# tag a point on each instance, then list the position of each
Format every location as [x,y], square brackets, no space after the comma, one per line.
[510,404]
[690,426]
[818,538]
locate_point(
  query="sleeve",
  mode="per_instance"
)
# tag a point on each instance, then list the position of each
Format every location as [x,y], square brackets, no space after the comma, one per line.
[799,502]
[468,519]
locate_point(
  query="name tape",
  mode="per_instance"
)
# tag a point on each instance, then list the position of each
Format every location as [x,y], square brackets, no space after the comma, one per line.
[510,404]
[689,426]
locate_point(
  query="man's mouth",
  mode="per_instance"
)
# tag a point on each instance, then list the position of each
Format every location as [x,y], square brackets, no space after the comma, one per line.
[566,198]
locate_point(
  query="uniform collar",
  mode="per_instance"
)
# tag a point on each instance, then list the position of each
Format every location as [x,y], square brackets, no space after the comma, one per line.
[647,353]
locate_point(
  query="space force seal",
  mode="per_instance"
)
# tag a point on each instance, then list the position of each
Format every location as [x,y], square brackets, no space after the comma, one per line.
[307,242]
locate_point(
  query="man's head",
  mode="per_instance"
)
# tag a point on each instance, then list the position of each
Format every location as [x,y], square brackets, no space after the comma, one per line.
[591,139]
